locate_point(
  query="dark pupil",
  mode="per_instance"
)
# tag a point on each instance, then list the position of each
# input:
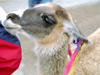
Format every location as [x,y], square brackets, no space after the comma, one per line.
[47,20]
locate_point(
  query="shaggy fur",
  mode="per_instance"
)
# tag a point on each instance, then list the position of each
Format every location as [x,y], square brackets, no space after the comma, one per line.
[53,28]
[89,62]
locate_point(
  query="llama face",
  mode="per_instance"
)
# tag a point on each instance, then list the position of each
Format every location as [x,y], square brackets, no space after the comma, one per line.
[45,20]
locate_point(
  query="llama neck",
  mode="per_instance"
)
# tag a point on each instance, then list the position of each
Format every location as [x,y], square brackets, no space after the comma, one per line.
[52,59]
[53,45]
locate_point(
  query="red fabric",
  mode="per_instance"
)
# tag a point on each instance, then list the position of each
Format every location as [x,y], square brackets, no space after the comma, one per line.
[69,50]
[70,63]
[10,57]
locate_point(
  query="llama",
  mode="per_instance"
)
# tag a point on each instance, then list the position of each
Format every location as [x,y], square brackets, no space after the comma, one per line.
[89,61]
[52,27]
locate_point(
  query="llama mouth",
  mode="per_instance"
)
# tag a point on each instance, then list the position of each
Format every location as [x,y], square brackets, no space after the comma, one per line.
[11,28]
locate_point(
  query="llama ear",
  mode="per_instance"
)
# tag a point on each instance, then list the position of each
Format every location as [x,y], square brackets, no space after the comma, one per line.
[71,29]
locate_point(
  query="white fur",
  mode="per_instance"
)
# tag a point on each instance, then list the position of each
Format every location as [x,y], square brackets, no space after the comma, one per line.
[3,15]
[9,23]
[19,12]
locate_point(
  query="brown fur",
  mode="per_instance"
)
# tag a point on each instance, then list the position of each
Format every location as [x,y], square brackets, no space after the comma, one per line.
[89,62]
[53,28]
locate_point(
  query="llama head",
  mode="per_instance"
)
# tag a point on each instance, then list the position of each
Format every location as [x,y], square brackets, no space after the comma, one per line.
[45,20]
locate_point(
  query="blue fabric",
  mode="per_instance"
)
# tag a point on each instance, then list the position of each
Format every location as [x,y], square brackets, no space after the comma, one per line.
[44,1]
[4,35]
[34,2]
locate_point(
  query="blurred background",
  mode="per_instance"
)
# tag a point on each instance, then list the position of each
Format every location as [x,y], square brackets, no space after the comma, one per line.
[21,4]
[85,13]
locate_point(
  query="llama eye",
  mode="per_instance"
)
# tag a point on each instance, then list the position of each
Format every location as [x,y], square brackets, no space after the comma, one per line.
[48,20]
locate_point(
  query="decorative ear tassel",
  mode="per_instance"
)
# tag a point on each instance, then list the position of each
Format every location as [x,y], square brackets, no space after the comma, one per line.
[70,67]
[74,41]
